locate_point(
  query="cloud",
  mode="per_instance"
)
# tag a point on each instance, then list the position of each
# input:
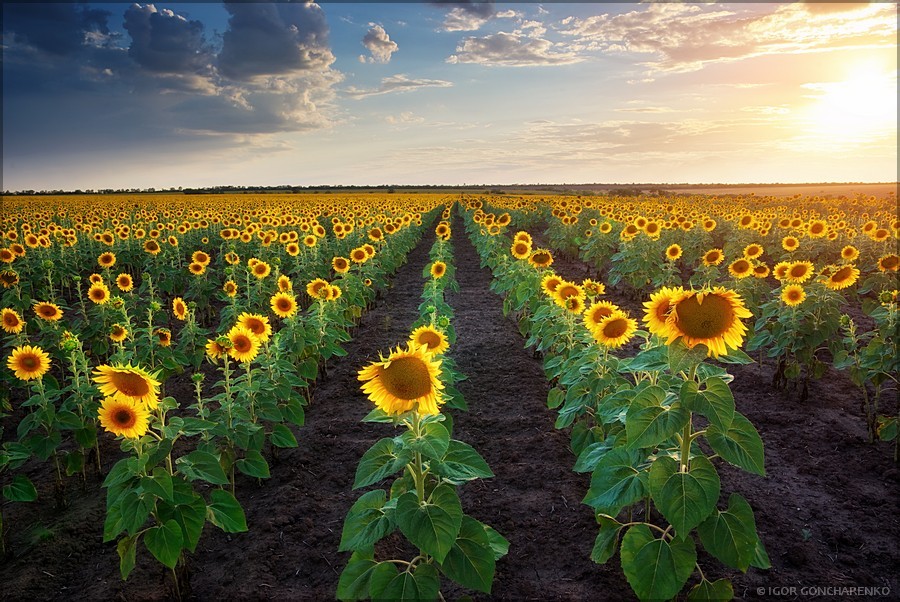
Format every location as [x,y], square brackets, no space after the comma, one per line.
[379,44]
[685,37]
[466,16]
[404,118]
[55,28]
[820,7]
[511,50]
[274,39]
[397,83]
[164,42]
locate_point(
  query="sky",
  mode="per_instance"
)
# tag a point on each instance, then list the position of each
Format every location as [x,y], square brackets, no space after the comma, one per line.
[107,95]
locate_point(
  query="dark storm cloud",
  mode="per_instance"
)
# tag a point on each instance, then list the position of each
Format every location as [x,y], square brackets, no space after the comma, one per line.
[164,42]
[57,28]
[274,39]
[478,8]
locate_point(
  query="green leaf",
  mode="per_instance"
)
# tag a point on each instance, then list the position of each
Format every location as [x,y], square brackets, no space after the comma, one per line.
[761,557]
[432,443]
[127,549]
[225,512]
[730,535]
[682,359]
[354,581]
[591,455]
[735,356]
[616,482]
[293,412]
[648,422]
[282,436]
[499,544]
[159,484]
[74,462]
[382,574]
[715,402]
[381,460]
[191,517]
[254,465]
[135,511]
[470,561]
[21,489]
[461,463]
[421,584]
[716,591]
[555,398]
[431,526]
[685,499]
[366,522]
[656,569]
[739,445]
[165,542]
[607,539]
[201,465]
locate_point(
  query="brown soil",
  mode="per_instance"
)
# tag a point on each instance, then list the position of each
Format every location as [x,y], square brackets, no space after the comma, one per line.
[827,512]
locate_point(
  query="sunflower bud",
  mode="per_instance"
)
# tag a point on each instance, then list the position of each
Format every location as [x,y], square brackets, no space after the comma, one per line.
[117,302]
[76,278]
[155,306]
[885,296]
[47,264]
[197,377]
[224,342]
[844,320]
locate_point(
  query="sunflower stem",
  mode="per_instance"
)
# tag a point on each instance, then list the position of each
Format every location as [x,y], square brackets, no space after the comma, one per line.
[686,439]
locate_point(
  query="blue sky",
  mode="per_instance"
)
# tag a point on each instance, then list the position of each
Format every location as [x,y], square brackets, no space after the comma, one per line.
[106,95]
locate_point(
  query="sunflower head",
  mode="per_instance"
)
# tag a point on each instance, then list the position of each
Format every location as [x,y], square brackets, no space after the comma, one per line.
[550,283]
[592,288]
[123,416]
[799,272]
[358,255]
[257,324]
[888,263]
[842,277]
[48,311]
[520,249]
[230,288]
[793,295]
[433,339]
[28,362]
[11,321]
[657,309]
[438,269]
[849,253]
[215,349]
[753,250]
[574,305]
[98,293]
[124,282]
[673,252]
[541,258]
[118,333]
[567,290]
[129,382]
[790,243]
[244,344]
[261,269]
[740,268]
[283,304]
[163,337]
[106,260]
[406,380]
[317,289]
[179,309]
[614,330]
[597,312]
[341,265]
[710,317]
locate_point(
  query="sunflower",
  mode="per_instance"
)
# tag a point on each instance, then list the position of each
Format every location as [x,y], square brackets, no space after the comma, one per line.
[592,288]
[566,290]
[95,279]
[443,232]
[230,288]
[781,269]
[28,362]
[309,240]
[799,272]
[405,380]
[438,269]
[98,293]
[713,257]
[11,321]
[574,305]
[124,417]
[376,234]
[597,312]
[124,282]
[48,311]
[179,309]
[841,278]
[793,295]
[880,235]
[433,339]
[7,256]
[341,265]
[614,330]
[752,251]
[215,349]
[9,278]
[888,263]
[261,269]
[257,324]
[196,268]
[358,255]
[709,317]
[200,257]
[849,253]
[283,304]
[369,249]
[520,249]
[128,382]
[817,228]
[790,243]
[118,333]
[106,260]
[760,270]
[317,288]
[152,247]
[541,258]
[163,337]
[333,293]
[522,236]
[656,310]
[244,344]
[550,283]
[673,252]
[740,268]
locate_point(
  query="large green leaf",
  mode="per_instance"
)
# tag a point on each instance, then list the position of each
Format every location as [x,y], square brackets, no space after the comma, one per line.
[716,591]
[740,444]
[382,459]
[607,539]
[431,526]
[354,581]
[715,401]
[616,481]
[423,583]
[432,442]
[135,510]
[281,436]
[461,463]
[225,512]
[656,569]
[159,484]
[470,561]
[127,549]
[685,499]
[201,465]
[730,535]
[254,465]
[682,359]
[21,489]
[648,422]
[165,542]
[366,522]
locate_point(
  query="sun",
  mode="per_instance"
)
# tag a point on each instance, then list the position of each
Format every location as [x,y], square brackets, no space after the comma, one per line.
[857,109]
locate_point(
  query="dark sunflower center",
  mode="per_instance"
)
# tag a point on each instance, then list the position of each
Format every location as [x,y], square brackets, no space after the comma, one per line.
[407,378]
[615,328]
[130,384]
[842,274]
[124,418]
[29,362]
[798,271]
[708,320]
[241,344]
[431,339]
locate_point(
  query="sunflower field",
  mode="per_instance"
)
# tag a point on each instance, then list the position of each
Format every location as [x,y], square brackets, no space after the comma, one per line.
[538,396]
